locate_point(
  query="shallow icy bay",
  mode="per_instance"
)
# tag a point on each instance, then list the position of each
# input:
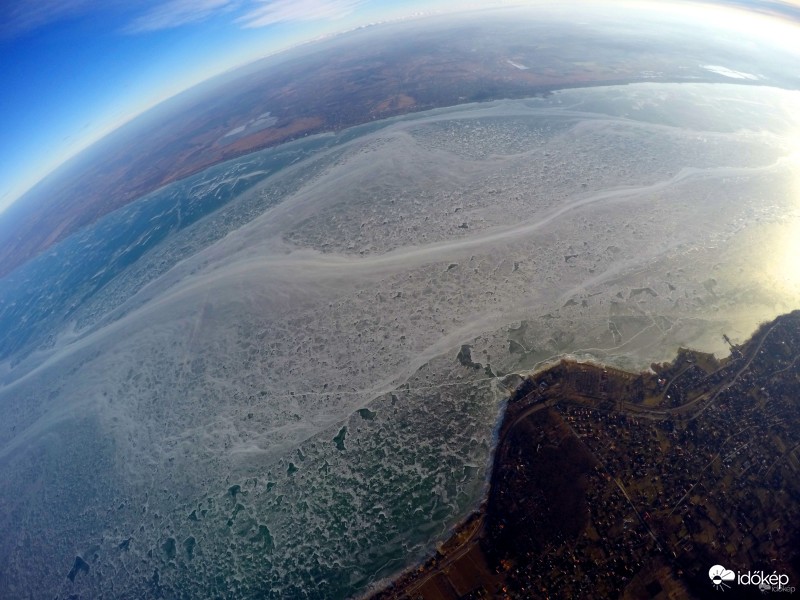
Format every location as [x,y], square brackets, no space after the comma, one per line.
[269,403]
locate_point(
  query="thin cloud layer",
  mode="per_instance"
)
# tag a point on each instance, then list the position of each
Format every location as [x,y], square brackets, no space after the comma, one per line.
[283,11]
[22,17]
[176,13]
[19,18]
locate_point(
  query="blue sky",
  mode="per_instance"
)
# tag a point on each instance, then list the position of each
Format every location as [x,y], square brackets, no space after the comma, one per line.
[74,70]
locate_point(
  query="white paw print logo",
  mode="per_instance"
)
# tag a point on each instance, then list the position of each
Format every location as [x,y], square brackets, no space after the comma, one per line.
[719,575]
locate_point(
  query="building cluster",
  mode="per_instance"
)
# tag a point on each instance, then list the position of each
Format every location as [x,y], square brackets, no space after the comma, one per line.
[698,460]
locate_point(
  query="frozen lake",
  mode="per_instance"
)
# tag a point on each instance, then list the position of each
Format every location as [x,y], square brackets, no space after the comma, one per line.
[265,396]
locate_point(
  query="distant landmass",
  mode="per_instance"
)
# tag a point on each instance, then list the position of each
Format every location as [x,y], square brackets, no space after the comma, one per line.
[634,485]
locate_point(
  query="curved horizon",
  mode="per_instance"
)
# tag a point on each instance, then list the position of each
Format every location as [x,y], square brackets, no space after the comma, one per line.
[81,72]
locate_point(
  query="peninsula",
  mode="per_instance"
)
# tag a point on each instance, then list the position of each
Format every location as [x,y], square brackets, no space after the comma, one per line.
[614,484]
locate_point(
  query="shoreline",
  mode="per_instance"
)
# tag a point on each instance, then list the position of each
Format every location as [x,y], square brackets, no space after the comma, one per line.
[571,402]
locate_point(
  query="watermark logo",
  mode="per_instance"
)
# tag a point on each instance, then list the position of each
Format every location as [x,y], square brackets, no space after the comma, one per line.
[722,579]
[720,576]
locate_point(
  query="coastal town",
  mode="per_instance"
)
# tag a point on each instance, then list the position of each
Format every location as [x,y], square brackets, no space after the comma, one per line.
[614,484]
